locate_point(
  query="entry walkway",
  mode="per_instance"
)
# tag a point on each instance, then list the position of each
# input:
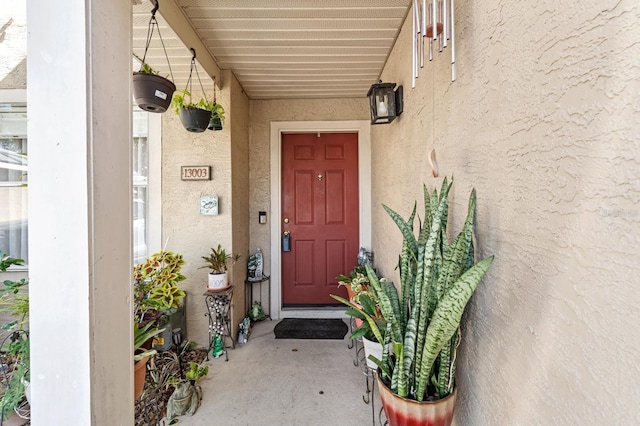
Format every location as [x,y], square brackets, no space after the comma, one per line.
[284,382]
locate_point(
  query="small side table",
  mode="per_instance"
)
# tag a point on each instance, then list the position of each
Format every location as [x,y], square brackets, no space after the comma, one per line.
[248,286]
[218,310]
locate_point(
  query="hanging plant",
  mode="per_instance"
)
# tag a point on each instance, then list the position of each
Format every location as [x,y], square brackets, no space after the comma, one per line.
[195,116]
[151,91]
[217,113]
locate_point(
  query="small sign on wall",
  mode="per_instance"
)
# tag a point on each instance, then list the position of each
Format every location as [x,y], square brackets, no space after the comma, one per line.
[195,172]
[209,205]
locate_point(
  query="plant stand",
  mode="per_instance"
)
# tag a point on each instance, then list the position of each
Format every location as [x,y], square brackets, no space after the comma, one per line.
[219,310]
[248,287]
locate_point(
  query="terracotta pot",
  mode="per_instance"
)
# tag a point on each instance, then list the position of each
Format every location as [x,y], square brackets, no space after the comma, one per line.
[406,412]
[139,376]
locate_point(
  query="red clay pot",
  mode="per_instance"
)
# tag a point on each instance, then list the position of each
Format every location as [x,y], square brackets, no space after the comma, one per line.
[139,375]
[406,412]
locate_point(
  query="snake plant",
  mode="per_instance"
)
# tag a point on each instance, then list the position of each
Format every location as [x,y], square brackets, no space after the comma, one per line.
[437,279]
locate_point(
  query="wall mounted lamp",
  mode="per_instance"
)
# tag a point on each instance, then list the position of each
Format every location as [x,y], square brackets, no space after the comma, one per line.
[385,103]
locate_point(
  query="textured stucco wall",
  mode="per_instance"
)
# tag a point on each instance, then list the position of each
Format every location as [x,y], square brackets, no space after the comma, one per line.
[239,122]
[262,113]
[544,122]
[185,230]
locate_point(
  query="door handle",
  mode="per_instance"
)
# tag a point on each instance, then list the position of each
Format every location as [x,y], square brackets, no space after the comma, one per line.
[286,241]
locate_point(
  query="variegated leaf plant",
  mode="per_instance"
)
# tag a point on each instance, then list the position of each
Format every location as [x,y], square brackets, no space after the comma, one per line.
[437,280]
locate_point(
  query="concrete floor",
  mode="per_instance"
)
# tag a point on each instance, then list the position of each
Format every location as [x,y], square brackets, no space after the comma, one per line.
[284,382]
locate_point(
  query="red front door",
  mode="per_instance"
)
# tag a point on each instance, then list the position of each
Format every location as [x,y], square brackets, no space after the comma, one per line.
[320,211]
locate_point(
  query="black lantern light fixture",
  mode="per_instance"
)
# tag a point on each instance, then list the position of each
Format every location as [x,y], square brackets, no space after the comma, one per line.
[385,103]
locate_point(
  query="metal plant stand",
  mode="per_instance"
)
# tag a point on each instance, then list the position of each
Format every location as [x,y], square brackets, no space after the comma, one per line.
[219,310]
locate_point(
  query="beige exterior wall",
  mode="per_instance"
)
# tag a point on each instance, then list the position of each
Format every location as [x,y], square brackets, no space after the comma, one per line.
[184,230]
[543,121]
[239,122]
[262,113]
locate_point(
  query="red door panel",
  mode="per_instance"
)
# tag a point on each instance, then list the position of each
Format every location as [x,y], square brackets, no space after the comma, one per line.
[320,210]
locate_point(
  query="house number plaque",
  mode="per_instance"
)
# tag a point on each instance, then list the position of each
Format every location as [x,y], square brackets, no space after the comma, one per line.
[195,172]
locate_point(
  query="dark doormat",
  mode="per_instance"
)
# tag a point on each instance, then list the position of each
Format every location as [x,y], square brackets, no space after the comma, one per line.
[298,328]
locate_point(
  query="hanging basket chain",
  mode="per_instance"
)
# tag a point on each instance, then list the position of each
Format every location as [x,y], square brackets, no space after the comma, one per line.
[153,23]
[189,81]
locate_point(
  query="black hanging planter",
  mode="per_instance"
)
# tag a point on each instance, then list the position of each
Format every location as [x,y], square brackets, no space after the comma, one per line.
[194,119]
[215,123]
[152,92]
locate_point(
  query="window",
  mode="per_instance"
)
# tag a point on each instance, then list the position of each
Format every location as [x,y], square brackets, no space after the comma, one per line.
[140,179]
[13,181]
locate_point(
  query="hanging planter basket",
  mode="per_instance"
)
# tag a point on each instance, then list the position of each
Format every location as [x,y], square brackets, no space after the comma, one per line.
[196,116]
[215,123]
[151,91]
[194,119]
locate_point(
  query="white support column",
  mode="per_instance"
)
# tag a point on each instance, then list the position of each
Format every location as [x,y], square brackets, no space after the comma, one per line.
[80,178]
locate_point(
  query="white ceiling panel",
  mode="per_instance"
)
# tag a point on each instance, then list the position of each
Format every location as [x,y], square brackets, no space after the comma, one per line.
[281,49]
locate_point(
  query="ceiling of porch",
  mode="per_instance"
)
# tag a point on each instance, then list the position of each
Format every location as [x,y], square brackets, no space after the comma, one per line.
[276,48]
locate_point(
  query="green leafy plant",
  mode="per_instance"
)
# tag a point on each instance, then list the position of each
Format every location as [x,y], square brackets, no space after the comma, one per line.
[196,371]
[218,111]
[140,336]
[218,260]
[437,279]
[357,282]
[146,69]
[155,285]
[15,347]
[179,101]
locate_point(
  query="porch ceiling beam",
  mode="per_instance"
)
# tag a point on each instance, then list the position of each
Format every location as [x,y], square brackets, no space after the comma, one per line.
[176,19]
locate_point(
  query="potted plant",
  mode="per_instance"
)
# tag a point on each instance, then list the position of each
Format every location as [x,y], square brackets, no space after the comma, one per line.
[196,372]
[356,283]
[155,294]
[195,117]
[186,397]
[372,326]
[217,262]
[217,117]
[437,279]
[15,346]
[141,355]
[151,91]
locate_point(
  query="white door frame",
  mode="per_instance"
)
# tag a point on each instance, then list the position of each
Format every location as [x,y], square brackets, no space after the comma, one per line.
[362,128]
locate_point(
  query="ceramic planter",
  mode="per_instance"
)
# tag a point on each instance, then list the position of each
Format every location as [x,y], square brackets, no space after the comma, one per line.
[372,348]
[406,412]
[152,92]
[194,119]
[218,281]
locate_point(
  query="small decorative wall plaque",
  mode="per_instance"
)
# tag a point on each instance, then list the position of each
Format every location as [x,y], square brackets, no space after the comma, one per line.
[195,172]
[209,205]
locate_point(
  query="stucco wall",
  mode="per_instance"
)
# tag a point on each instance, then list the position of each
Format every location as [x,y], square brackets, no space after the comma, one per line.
[543,121]
[262,113]
[184,230]
[239,122]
